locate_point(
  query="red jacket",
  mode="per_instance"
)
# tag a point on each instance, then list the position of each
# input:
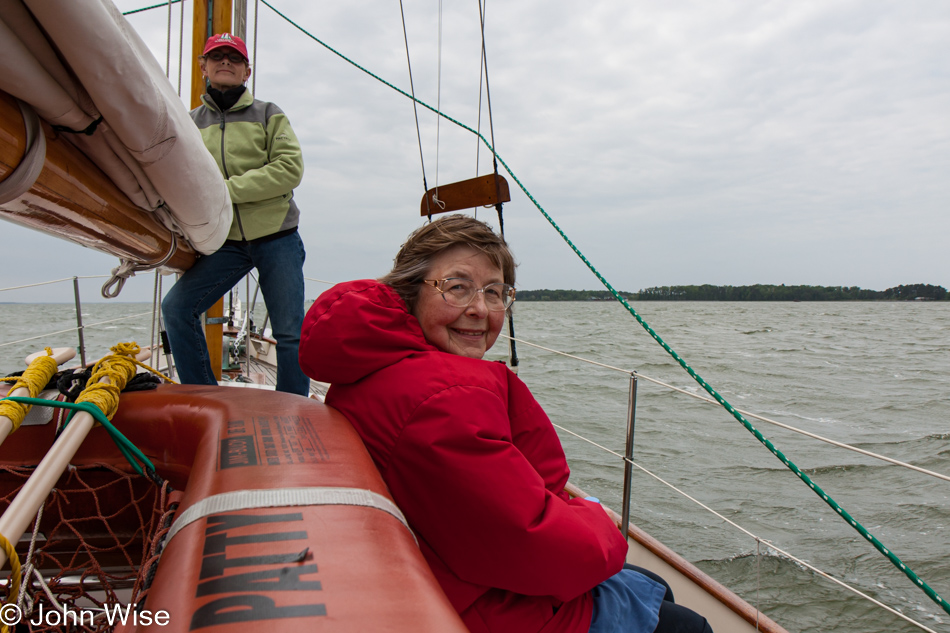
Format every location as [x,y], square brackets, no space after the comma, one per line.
[471,459]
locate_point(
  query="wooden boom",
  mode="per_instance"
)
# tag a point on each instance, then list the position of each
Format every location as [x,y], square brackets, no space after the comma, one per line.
[74,200]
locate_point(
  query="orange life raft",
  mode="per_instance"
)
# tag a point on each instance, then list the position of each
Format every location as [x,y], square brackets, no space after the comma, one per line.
[284,521]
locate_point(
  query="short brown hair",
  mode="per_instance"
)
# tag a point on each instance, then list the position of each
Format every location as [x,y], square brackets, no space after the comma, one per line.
[414,259]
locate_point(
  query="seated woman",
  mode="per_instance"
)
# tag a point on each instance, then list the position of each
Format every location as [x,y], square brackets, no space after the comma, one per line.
[467,452]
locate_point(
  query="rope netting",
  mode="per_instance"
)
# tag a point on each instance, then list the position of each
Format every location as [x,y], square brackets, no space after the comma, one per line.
[93,548]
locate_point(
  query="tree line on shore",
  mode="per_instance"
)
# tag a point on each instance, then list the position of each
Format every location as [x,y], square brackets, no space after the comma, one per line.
[758,292]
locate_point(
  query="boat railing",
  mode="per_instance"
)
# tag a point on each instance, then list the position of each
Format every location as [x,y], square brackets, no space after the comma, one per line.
[81,327]
[629,464]
[242,318]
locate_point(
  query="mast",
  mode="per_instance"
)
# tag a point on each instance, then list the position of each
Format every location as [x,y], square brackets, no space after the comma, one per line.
[210,17]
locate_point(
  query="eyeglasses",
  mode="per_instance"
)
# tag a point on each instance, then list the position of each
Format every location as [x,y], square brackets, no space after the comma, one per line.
[459,293]
[234,58]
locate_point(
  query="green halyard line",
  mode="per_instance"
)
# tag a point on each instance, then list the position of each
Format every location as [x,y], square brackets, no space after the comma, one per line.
[128,449]
[154,6]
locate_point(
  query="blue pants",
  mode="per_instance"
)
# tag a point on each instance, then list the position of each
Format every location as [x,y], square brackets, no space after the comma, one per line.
[279,264]
[636,600]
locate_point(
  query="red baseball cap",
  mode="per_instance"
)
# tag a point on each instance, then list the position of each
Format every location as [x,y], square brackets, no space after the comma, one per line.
[226,39]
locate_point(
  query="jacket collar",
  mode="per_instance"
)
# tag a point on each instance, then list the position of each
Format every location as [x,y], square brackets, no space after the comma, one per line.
[245,101]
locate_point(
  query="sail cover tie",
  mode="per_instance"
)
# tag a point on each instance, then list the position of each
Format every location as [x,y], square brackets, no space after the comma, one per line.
[88,131]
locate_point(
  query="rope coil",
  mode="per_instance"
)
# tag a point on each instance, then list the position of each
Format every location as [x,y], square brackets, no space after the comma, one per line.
[101,401]
[34,379]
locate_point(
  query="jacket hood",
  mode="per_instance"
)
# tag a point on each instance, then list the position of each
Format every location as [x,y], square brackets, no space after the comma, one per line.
[355,329]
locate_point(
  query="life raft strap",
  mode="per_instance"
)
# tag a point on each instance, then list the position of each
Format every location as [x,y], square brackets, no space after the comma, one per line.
[282,498]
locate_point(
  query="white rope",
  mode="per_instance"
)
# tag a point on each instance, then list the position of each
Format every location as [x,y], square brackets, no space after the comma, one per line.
[855,449]
[41,283]
[320,281]
[23,596]
[28,567]
[54,281]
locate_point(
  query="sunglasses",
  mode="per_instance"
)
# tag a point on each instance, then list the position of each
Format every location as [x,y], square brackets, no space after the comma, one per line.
[234,58]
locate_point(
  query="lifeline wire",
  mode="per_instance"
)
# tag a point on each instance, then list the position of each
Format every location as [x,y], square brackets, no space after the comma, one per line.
[762,418]
[757,539]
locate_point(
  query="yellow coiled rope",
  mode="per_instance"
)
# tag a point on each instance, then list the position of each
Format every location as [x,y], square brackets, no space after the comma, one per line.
[14,579]
[36,376]
[119,367]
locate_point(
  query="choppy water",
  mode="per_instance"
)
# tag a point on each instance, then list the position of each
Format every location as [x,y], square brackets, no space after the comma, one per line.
[875,375]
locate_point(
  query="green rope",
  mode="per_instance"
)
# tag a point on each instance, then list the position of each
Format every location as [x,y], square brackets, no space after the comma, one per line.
[129,450]
[154,6]
[933,595]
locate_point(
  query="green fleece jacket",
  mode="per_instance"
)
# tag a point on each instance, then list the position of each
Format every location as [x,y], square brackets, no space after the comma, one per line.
[260,157]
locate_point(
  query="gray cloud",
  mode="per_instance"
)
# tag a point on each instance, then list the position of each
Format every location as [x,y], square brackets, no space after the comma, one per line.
[732,142]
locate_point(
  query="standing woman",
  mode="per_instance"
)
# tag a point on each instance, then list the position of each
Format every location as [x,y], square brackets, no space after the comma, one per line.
[260,159]
[468,454]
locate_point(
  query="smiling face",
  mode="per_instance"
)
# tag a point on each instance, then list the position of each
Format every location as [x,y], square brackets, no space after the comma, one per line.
[225,74]
[468,331]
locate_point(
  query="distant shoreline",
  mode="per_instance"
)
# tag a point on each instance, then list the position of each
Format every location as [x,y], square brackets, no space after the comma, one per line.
[758,292]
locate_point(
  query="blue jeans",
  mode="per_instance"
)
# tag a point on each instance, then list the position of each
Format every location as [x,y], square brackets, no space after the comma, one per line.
[279,264]
[627,602]
[619,600]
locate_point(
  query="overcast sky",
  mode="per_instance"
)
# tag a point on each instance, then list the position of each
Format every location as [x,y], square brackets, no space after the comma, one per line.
[729,142]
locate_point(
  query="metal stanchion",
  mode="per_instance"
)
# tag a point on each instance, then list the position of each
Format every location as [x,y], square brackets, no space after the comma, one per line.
[628,453]
[79,329]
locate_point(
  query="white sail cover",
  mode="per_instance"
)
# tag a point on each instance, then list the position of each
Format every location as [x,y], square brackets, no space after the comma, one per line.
[76,61]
